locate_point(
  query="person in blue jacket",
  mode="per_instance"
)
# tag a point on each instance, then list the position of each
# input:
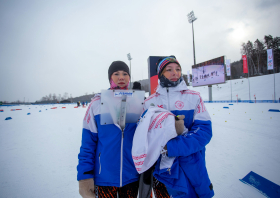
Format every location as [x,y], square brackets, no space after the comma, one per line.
[187,177]
[106,167]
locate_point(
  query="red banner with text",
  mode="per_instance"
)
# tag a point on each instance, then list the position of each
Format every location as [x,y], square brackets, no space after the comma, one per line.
[245,65]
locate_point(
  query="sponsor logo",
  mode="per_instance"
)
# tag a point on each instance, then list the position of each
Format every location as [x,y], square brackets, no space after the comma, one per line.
[160,106]
[179,104]
[120,94]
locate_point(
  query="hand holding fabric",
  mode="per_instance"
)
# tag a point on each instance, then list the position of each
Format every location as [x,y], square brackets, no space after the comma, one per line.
[179,124]
[86,188]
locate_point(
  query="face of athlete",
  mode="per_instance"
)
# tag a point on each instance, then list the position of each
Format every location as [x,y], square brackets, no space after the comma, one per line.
[120,78]
[172,72]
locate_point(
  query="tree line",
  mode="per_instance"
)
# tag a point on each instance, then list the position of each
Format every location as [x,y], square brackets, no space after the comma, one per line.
[256,53]
[54,97]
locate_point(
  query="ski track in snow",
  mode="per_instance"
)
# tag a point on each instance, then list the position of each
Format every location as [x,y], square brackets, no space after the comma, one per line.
[39,151]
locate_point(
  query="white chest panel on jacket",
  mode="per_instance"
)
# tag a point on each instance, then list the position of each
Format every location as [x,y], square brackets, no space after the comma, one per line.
[179,98]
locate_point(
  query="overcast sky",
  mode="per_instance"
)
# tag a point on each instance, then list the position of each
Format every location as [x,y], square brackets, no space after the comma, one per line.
[59,46]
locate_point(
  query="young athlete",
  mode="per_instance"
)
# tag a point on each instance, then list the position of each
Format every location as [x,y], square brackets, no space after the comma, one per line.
[105,159]
[188,176]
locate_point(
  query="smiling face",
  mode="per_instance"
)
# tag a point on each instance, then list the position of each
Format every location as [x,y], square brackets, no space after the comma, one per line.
[172,72]
[120,78]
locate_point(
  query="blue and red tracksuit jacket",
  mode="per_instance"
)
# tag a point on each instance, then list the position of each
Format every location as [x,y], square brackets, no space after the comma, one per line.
[105,152]
[188,175]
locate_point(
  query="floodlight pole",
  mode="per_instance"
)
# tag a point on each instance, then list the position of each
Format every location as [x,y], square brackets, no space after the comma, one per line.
[230,88]
[191,19]
[129,58]
[193,46]
[249,79]
[274,75]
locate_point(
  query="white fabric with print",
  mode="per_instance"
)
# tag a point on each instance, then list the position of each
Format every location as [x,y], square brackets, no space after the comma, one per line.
[155,128]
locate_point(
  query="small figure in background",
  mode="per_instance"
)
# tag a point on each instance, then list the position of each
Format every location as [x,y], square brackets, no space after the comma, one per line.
[136,85]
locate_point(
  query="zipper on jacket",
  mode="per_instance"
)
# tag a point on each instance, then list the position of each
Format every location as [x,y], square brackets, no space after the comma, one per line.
[167,89]
[121,158]
[169,170]
[99,163]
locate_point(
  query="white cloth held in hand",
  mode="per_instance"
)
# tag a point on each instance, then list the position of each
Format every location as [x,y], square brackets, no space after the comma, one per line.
[155,128]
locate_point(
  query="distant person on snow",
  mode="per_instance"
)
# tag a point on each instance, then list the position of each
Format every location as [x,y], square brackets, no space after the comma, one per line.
[188,149]
[105,158]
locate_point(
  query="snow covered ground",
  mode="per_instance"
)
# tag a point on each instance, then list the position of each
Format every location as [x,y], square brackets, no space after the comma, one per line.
[262,87]
[38,152]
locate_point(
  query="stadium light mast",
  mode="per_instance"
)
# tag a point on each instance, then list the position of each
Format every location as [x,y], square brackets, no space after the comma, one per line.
[129,58]
[191,19]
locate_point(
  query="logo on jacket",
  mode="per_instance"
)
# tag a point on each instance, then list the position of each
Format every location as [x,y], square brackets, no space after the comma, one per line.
[160,106]
[179,104]
[120,94]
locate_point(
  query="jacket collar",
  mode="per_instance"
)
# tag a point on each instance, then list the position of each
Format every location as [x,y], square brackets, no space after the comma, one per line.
[181,87]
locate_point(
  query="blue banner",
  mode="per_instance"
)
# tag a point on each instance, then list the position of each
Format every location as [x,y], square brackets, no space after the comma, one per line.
[263,185]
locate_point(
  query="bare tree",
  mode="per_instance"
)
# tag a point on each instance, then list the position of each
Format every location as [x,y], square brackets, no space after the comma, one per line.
[268,40]
[259,49]
[65,96]
[54,97]
[50,97]
[59,97]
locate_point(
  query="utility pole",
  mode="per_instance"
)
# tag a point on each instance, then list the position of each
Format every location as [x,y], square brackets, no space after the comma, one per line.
[129,58]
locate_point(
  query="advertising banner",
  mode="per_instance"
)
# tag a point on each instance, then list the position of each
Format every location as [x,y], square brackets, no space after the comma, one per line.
[269,59]
[152,69]
[209,72]
[245,65]
[228,67]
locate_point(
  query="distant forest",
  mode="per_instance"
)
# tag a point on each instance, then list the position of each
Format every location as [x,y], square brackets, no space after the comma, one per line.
[257,58]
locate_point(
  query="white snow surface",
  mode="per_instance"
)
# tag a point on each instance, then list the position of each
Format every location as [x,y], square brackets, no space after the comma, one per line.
[38,152]
[262,87]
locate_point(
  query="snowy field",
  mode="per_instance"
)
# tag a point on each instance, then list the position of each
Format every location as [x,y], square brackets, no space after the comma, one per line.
[262,87]
[39,151]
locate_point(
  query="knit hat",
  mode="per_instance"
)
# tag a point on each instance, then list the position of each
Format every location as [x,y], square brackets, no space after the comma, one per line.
[163,62]
[116,66]
[136,85]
